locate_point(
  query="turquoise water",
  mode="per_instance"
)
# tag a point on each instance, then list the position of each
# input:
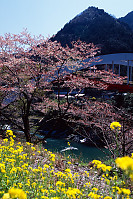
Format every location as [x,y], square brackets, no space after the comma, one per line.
[84,153]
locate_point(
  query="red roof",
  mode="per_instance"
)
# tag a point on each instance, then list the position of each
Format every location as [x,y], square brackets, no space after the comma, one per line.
[120,88]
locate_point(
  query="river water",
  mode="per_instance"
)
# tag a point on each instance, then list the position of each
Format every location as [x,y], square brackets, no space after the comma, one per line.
[84,152]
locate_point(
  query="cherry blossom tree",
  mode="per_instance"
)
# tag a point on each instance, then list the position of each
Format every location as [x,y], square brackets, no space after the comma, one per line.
[30,65]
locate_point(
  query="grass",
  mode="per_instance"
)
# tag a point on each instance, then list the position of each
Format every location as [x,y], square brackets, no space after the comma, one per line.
[29,171]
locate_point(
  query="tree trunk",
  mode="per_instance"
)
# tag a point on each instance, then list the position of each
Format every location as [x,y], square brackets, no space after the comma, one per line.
[26,128]
[25,118]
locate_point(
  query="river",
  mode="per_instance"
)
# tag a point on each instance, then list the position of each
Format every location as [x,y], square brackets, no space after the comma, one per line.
[84,152]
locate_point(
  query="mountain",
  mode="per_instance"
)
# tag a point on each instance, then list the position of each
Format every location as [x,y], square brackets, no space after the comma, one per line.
[128,19]
[96,26]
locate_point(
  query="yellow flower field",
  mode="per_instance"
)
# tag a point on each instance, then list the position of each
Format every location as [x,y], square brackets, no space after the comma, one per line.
[27,171]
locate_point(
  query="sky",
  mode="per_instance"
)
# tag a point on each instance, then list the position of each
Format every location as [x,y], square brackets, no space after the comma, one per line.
[47,17]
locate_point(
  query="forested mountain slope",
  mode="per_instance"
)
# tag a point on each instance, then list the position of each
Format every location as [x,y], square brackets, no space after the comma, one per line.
[96,26]
[128,19]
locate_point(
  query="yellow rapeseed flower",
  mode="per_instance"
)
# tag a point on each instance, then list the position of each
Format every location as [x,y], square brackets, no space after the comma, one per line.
[115,125]
[5,140]
[9,132]
[96,162]
[125,163]
[95,189]
[17,193]
[59,183]
[73,192]
[67,170]
[33,148]
[94,195]
[6,196]
[68,143]
[125,191]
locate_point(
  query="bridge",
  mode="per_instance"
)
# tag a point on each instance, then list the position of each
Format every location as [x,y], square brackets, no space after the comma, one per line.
[120,59]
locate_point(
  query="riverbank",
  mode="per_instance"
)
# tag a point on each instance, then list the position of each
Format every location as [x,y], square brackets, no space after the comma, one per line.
[43,174]
[82,151]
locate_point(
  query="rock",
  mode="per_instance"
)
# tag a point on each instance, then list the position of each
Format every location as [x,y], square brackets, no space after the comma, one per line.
[69,148]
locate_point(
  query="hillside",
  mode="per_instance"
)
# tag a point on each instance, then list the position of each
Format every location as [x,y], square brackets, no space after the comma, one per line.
[128,19]
[96,26]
